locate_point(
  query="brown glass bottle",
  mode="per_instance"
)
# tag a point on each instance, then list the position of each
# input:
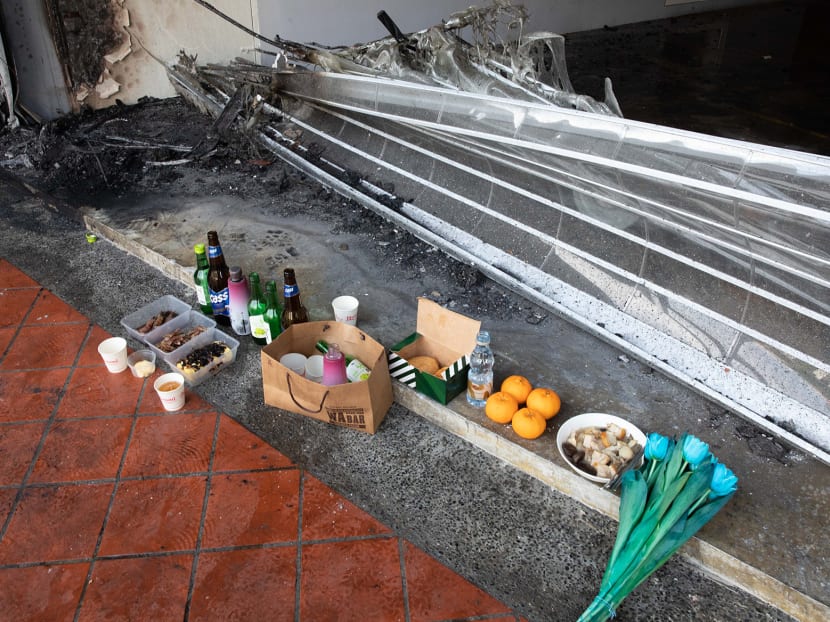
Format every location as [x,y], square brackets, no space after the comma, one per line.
[218,280]
[293,312]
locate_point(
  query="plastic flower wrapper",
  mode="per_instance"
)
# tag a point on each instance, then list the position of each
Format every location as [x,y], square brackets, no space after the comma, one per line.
[676,491]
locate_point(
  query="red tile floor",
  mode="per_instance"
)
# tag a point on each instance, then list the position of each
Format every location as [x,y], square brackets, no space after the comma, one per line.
[112,509]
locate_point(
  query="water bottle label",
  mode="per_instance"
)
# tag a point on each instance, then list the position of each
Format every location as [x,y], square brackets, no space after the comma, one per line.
[259,327]
[291,290]
[479,391]
[219,302]
[214,251]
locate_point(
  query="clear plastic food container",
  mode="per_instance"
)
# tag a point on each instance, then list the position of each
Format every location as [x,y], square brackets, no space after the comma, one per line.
[135,320]
[201,360]
[183,324]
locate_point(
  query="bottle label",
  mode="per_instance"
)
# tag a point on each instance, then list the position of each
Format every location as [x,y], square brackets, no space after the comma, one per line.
[200,295]
[290,291]
[259,327]
[219,302]
[240,322]
[214,252]
[479,391]
[357,371]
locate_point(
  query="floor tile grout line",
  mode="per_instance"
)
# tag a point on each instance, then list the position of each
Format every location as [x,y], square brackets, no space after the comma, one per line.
[20,328]
[212,549]
[194,566]
[298,562]
[110,505]
[216,549]
[47,428]
[404,586]
[141,478]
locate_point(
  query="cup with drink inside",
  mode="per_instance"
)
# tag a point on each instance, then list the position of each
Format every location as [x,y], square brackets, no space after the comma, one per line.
[170,389]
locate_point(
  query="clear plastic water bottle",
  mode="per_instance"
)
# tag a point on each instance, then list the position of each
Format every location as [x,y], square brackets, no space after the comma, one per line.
[480,376]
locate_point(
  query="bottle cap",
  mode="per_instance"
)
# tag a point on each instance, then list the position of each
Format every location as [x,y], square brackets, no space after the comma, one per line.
[199,248]
[236,273]
[483,337]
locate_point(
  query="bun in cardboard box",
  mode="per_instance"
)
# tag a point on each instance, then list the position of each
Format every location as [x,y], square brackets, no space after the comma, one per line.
[426,364]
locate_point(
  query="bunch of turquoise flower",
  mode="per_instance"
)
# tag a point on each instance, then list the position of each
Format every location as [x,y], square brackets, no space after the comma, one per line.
[679,487]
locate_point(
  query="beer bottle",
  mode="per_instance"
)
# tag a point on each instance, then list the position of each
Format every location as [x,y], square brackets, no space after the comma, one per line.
[293,312]
[273,312]
[256,311]
[218,280]
[200,278]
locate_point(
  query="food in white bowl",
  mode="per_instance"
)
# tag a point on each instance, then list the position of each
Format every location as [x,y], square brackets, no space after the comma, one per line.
[598,445]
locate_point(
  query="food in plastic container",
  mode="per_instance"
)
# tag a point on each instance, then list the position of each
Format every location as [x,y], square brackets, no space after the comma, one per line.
[151,321]
[180,336]
[205,360]
[157,320]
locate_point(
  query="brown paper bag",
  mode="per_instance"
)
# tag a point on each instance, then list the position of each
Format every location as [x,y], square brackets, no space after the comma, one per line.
[358,405]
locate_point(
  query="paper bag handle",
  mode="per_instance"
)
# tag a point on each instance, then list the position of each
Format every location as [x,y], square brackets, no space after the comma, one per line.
[327,327]
[294,399]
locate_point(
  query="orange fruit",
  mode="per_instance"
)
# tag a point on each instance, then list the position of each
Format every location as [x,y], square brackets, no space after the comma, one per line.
[528,423]
[517,386]
[500,407]
[544,401]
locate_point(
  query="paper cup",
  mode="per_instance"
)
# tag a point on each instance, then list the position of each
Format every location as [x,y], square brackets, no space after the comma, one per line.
[345,309]
[314,368]
[295,362]
[170,389]
[114,353]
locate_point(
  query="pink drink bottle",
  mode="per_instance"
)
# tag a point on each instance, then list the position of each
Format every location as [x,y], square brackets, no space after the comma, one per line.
[334,366]
[238,302]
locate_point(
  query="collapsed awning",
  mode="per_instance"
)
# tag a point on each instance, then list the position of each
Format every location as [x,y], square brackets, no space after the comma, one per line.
[706,258]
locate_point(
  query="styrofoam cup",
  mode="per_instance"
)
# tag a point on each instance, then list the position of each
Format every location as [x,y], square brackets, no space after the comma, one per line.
[170,389]
[345,309]
[314,368]
[114,353]
[295,362]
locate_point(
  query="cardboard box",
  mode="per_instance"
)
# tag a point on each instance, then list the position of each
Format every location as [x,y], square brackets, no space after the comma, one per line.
[357,405]
[444,335]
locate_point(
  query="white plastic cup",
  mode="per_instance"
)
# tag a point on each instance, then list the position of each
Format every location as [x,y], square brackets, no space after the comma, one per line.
[170,389]
[295,362]
[314,368]
[114,353]
[345,309]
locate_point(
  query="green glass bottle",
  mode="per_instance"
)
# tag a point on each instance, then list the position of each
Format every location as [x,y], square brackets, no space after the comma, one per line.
[200,277]
[257,305]
[273,312]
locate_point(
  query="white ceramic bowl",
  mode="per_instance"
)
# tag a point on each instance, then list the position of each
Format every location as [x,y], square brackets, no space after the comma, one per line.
[589,420]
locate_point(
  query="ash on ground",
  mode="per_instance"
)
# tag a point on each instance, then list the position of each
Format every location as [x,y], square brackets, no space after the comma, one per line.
[99,156]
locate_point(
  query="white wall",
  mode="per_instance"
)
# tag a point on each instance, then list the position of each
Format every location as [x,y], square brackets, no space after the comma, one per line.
[164,27]
[167,26]
[342,23]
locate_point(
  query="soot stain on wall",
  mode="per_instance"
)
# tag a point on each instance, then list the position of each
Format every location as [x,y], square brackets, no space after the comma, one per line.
[84,31]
